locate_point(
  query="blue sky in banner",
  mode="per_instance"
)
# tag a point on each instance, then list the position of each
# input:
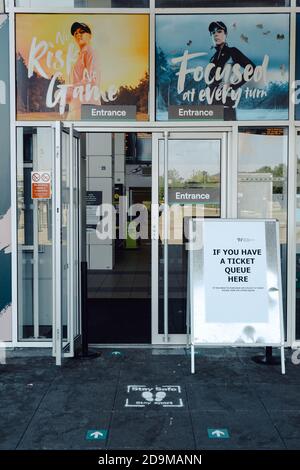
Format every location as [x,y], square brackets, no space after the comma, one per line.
[254,35]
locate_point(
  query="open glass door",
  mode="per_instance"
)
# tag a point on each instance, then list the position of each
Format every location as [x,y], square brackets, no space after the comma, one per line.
[66,285]
[190,172]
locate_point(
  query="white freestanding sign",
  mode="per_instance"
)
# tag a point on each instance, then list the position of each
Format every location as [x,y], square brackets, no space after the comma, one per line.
[234,282]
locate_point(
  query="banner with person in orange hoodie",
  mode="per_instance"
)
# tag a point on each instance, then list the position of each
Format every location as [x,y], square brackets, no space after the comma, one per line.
[82,67]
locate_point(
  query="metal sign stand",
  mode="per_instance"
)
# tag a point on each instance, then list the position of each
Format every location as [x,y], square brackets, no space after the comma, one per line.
[268,359]
[191,312]
[85,353]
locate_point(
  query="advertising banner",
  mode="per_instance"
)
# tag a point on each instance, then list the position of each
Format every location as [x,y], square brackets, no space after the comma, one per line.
[225,67]
[82,67]
[5,201]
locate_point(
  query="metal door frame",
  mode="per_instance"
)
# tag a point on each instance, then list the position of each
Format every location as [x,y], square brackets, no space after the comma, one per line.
[65,348]
[228,194]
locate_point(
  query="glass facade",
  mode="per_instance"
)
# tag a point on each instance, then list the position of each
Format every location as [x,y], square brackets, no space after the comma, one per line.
[5,186]
[84,3]
[158,3]
[220,3]
[34,237]
[194,168]
[260,86]
[263,183]
[298,239]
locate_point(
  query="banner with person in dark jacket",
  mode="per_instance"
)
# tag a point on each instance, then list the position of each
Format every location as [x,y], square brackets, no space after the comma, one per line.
[228,67]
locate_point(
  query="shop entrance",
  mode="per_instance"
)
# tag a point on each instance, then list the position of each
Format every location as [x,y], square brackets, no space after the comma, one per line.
[118,175]
[193,171]
[137,288]
[136,284]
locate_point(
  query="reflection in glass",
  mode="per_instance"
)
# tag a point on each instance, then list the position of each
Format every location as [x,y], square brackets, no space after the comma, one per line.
[262,182]
[194,169]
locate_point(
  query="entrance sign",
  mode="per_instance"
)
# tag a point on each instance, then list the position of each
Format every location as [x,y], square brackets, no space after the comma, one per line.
[200,113]
[107,113]
[235,284]
[40,185]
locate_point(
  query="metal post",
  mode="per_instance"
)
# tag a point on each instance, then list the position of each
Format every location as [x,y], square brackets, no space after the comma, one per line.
[166,230]
[282,359]
[268,359]
[36,326]
[188,303]
[192,359]
[84,317]
[85,353]
[57,334]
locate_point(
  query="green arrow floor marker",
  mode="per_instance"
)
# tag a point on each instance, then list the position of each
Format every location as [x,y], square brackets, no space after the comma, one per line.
[218,433]
[96,435]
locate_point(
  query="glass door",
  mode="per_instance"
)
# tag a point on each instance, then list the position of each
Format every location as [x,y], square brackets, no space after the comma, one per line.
[35,157]
[66,283]
[296,327]
[190,171]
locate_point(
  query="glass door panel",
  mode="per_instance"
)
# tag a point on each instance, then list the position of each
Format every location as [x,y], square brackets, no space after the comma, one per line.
[66,249]
[35,147]
[189,182]
[297,326]
[263,184]
[65,231]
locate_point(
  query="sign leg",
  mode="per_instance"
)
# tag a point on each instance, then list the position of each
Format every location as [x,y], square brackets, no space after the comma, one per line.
[192,359]
[188,328]
[282,360]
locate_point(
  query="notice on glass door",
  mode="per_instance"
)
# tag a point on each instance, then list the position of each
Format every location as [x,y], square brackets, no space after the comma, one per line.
[93,201]
[40,185]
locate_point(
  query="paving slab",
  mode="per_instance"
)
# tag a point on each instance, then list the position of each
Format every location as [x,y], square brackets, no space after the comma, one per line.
[152,430]
[281,397]
[247,430]
[61,431]
[90,396]
[19,402]
[287,423]
[48,407]
[220,397]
